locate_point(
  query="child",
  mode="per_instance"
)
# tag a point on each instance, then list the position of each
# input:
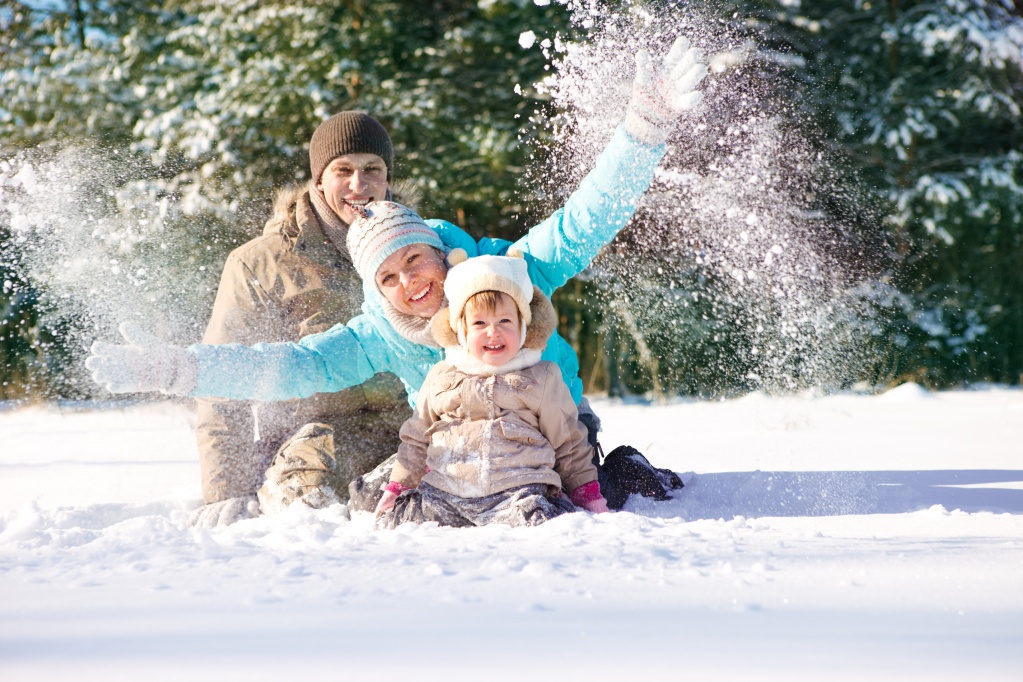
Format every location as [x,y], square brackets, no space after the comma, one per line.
[495,436]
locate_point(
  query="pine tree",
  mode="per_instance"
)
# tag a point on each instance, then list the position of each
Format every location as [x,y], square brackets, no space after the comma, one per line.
[924,100]
[239,88]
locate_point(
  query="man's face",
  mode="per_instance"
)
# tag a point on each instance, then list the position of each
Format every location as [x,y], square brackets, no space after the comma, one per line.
[353,179]
[412,280]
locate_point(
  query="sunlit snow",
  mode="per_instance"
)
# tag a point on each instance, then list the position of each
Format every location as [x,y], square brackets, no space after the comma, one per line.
[839,537]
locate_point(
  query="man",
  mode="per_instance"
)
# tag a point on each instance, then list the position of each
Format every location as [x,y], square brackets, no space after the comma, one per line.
[297,279]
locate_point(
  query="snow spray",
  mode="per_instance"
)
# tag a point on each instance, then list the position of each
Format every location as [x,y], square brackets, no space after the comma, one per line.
[100,244]
[742,269]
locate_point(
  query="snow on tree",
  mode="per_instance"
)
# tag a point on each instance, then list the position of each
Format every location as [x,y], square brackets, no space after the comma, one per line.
[924,100]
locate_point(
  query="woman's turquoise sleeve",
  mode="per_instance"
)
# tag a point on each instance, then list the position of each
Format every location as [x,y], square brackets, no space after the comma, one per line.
[566,243]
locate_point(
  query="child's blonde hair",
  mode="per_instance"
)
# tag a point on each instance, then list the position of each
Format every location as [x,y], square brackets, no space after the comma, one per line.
[486,301]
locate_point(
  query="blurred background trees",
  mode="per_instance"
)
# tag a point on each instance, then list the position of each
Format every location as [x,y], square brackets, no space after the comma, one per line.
[209,107]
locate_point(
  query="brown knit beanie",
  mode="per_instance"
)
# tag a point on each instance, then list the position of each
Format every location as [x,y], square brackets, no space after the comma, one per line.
[349,132]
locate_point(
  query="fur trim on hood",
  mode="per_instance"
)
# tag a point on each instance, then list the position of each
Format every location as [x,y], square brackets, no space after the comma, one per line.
[286,198]
[538,332]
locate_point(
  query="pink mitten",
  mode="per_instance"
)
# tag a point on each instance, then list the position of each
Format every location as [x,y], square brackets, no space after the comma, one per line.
[385,503]
[391,492]
[588,497]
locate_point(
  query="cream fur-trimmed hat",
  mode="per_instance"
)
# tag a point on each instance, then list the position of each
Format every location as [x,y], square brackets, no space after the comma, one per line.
[468,276]
[512,278]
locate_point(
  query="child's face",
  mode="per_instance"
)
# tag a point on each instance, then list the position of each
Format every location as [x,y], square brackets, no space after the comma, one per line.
[493,336]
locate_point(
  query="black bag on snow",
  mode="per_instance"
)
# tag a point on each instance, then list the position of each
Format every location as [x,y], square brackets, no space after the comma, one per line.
[625,471]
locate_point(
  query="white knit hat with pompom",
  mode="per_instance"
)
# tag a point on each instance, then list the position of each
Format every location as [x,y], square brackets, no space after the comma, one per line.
[468,276]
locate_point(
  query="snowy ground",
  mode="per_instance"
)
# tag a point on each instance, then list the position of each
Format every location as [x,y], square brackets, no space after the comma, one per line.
[847,537]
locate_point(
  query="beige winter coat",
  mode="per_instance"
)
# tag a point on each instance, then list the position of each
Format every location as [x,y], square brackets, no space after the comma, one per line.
[475,434]
[285,284]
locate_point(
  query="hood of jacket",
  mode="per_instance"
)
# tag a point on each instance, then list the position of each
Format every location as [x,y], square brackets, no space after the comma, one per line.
[538,332]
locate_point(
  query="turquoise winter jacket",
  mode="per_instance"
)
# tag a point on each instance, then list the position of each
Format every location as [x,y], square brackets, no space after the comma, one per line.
[348,354]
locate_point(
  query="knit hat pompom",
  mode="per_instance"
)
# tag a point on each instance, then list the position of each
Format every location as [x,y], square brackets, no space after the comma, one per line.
[385,228]
[456,256]
[507,274]
[349,132]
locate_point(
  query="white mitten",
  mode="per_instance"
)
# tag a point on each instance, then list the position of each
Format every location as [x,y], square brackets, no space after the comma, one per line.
[225,512]
[662,93]
[145,364]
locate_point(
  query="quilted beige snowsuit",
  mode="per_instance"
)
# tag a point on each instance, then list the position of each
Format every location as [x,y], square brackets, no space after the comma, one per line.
[474,434]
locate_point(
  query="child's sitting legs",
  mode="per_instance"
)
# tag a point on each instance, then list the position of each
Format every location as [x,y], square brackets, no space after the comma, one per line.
[526,505]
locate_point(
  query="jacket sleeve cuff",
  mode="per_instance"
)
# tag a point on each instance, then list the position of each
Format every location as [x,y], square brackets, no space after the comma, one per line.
[658,149]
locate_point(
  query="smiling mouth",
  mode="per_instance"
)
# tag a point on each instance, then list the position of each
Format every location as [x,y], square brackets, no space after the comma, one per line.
[421,295]
[499,347]
[357,203]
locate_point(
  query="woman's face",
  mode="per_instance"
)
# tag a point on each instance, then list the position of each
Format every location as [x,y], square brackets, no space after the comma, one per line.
[412,280]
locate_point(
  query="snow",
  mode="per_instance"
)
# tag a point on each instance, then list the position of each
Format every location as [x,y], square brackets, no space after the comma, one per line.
[839,538]
[527,39]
